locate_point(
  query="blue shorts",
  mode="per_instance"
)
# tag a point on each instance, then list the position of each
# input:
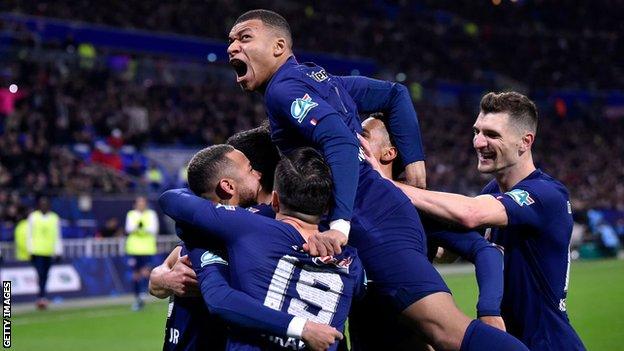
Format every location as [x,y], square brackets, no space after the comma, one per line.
[391,242]
[137,262]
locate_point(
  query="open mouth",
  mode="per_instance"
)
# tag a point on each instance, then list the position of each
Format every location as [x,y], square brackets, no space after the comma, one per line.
[487,155]
[239,66]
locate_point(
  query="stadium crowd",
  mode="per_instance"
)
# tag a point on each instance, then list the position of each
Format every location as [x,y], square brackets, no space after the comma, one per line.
[66,101]
[553,44]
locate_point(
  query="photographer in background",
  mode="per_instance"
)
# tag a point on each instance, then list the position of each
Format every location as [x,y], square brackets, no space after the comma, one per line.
[142,228]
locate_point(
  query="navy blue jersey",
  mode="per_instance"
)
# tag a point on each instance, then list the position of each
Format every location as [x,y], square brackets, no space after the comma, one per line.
[536,241]
[307,106]
[190,327]
[267,262]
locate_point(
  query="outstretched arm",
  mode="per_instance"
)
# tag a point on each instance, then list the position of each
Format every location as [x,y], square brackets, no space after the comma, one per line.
[372,95]
[213,221]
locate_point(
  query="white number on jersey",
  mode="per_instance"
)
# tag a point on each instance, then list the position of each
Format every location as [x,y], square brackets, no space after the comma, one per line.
[315,286]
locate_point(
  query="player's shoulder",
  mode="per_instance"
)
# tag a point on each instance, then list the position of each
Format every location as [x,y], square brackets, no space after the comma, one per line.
[262,210]
[295,78]
[491,187]
[542,187]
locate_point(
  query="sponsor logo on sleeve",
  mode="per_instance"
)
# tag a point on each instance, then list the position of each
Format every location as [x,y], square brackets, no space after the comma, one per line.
[208,258]
[301,106]
[318,76]
[522,197]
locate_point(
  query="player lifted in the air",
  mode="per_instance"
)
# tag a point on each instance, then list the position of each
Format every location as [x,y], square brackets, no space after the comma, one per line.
[309,107]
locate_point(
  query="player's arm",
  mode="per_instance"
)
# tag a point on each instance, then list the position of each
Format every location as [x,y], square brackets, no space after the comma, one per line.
[372,95]
[242,310]
[173,276]
[212,221]
[487,259]
[300,107]
[470,212]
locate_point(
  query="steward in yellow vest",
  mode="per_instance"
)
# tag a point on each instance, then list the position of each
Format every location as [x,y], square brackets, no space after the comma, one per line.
[43,241]
[142,228]
[21,238]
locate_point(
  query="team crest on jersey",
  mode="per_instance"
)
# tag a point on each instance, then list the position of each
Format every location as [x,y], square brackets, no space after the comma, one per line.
[210,258]
[301,106]
[318,76]
[522,197]
[253,210]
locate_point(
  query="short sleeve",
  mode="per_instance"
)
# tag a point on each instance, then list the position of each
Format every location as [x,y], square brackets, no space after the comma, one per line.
[525,206]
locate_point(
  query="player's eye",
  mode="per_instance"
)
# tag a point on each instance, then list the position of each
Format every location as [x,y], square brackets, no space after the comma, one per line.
[245,36]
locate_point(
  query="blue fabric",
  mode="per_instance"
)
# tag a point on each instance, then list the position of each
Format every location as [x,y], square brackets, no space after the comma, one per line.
[301,98]
[265,255]
[42,266]
[480,336]
[536,243]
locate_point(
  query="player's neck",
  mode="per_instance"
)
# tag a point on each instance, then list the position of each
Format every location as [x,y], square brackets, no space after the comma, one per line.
[303,227]
[278,64]
[511,176]
[386,170]
[264,197]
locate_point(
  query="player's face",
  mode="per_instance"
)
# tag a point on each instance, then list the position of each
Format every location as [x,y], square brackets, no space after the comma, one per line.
[251,53]
[373,133]
[496,142]
[247,179]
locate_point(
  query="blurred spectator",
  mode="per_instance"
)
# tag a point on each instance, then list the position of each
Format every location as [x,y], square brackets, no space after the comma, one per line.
[20,235]
[154,176]
[608,238]
[112,228]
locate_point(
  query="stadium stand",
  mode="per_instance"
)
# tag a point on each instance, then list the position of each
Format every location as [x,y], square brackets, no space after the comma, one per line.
[82,119]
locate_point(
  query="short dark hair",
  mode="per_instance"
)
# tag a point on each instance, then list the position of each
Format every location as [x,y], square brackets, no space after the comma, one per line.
[269,18]
[207,166]
[303,182]
[522,111]
[256,144]
[399,166]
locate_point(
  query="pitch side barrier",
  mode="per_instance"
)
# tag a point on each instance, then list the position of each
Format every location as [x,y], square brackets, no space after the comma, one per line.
[89,267]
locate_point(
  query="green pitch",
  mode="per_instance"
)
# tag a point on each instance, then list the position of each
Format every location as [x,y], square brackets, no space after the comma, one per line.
[594,303]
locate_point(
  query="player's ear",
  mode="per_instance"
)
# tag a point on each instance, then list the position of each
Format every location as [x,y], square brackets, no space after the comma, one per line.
[389,154]
[275,205]
[279,47]
[225,188]
[527,141]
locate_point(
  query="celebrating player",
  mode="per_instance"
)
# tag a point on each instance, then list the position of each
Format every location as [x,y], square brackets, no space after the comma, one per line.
[309,107]
[190,325]
[527,212]
[267,260]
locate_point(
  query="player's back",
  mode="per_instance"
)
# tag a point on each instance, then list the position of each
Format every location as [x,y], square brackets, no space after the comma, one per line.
[536,243]
[271,266]
[190,326]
